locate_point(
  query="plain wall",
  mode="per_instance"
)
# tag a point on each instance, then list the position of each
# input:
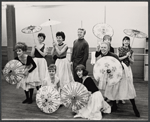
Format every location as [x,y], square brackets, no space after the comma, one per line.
[119,15]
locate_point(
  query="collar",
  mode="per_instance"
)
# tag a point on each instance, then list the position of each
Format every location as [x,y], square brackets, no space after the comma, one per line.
[60,44]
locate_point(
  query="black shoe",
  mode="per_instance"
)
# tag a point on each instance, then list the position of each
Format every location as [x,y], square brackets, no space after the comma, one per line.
[137,114]
[73,113]
[25,101]
[30,101]
[105,99]
[114,108]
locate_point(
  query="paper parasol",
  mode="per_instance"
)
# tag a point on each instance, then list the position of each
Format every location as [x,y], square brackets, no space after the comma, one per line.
[74,95]
[14,71]
[102,29]
[135,34]
[107,69]
[31,30]
[48,99]
[50,23]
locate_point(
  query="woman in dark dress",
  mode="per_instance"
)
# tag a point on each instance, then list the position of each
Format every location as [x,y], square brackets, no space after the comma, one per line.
[27,83]
[96,103]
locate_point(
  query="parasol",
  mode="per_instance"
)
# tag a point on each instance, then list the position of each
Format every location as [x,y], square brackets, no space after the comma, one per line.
[74,95]
[107,69]
[135,34]
[48,99]
[13,71]
[102,29]
[31,30]
[50,23]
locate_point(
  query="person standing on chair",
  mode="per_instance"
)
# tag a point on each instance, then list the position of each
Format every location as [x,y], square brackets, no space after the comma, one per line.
[80,52]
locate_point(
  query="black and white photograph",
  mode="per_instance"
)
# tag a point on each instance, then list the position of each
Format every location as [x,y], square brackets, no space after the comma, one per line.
[74,60]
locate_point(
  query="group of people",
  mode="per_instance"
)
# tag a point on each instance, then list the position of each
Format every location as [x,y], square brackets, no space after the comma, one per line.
[38,73]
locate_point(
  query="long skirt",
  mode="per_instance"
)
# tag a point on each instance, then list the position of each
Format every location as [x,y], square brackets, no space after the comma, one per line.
[29,81]
[42,70]
[95,106]
[124,89]
[63,71]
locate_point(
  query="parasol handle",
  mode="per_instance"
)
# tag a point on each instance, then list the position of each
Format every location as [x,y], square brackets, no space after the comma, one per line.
[33,37]
[132,41]
[105,15]
[52,33]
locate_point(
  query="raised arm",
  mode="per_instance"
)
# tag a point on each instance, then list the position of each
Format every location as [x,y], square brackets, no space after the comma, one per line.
[64,49]
[44,53]
[32,51]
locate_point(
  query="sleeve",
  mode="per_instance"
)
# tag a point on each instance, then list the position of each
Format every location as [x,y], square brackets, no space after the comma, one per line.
[86,52]
[30,60]
[113,50]
[97,53]
[16,58]
[89,84]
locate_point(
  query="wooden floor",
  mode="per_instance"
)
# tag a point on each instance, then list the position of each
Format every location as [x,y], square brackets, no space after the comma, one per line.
[12,107]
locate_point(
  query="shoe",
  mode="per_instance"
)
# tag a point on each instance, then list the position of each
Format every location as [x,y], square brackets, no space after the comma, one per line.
[108,100]
[117,101]
[137,114]
[114,108]
[25,101]
[105,99]
[123,102]
[76,116]
[30,101]
[61,105]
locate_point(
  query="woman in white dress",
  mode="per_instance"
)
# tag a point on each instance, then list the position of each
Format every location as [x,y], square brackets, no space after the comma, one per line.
[63,66]
[124,89]
[38,53]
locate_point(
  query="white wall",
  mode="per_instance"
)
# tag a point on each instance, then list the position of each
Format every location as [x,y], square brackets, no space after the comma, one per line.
[119,15]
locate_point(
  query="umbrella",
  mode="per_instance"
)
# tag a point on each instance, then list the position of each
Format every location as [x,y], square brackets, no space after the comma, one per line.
[31,30]
[102,29]
[74,95]
[48,99]
[135,34]
[50,23]
[107,69]
[13,71]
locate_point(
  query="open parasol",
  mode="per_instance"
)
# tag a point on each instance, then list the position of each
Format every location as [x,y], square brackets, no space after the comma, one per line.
[14,71]
[135,34]
[74,95]
[102,29]
[50,23]
[107,70]
[31,30]
[48,99]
